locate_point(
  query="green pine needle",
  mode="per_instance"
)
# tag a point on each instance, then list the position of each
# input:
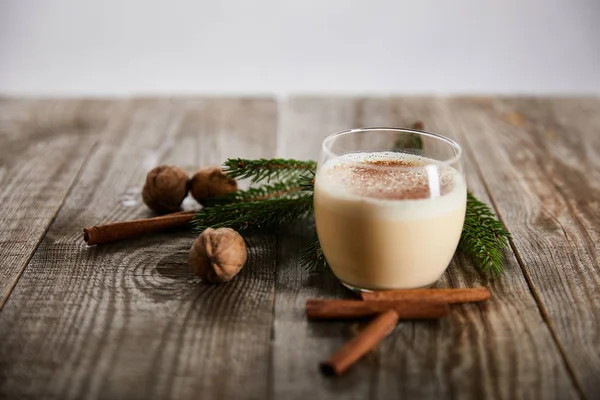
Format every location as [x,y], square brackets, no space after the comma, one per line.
[408,140]
[312,257]
[483,236]
[307,182]
[267,191]
[266,170]
[255,215]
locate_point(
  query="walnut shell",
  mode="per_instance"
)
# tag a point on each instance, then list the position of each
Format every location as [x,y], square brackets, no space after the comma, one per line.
[217,255]
[211,182]
[165,188]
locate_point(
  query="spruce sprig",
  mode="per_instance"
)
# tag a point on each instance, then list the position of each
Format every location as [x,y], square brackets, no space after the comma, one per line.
[288,189]
[307,182]
[408,140]
[267,170]
[312,256]
[483,237]
[254,215]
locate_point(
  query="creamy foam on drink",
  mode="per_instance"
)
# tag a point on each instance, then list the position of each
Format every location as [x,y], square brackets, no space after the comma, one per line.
[388,220]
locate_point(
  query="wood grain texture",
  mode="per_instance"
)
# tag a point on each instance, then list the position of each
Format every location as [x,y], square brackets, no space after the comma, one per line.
[43,144]
[543,158]
[128,320]
[501,349]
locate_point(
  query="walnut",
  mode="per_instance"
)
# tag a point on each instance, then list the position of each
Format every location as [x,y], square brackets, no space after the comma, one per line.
[165,188]
[217,255]
[211,182]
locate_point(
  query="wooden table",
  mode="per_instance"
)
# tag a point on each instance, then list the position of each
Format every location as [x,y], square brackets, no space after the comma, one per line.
[129,321]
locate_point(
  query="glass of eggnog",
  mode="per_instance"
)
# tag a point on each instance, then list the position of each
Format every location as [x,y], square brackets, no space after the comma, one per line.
[389,206]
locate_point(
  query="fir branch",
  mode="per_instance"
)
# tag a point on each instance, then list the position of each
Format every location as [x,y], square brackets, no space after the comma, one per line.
[483,236]
[288,189]
[408,140]
[266,170]
[307,182]
[254,215]
[312,257]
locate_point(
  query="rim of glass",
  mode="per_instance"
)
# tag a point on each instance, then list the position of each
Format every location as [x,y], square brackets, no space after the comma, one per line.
[325,146]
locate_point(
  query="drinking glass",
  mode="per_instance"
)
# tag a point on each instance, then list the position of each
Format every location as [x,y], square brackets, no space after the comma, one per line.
[389,206]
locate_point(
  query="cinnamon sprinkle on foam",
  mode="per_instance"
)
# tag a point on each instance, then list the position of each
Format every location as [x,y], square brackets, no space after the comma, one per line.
[390,176]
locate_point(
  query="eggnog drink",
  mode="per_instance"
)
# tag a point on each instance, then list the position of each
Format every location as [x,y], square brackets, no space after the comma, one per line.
[388,220]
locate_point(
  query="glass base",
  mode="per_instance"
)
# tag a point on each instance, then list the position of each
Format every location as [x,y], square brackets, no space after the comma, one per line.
[363,290]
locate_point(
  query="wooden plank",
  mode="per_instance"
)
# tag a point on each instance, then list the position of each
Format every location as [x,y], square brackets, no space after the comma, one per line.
[129,320]
[43,144]
[499,350]
[543,156]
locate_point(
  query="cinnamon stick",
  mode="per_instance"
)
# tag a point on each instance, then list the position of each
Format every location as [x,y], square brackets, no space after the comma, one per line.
[127,229]
[368,338]
[442,295]
[349,309]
